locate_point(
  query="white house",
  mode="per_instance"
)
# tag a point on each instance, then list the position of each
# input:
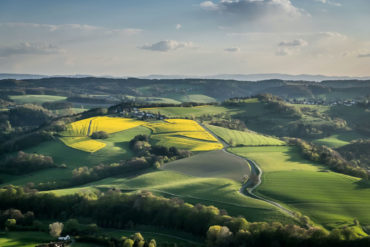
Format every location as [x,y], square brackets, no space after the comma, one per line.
[66,238]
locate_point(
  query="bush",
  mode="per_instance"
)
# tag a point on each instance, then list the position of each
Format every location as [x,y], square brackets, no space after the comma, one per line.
[99,135]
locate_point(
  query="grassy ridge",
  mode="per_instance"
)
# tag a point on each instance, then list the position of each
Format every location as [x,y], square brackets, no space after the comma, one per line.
[329,198]
[220,192]
[247,138]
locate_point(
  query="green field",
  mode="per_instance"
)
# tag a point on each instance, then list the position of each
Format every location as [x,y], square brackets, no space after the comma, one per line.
[220,192]
[212,164]
[338,140]
[35,98]
[183,112]
[24,239]
[247,138]
[328,198]
[199,98]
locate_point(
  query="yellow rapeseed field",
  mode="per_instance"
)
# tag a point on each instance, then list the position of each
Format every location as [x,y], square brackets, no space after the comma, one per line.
[110,125]
[182,133]
[77,133]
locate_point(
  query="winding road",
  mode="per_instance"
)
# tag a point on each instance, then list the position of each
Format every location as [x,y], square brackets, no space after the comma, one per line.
[256,172]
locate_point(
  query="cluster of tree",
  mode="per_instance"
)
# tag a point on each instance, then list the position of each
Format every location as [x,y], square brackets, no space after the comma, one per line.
[135,240]
[24,163]
[329,157]
[234,124]
[57,105]
[278,105]
[12,218]
[99,135]
[28,115]
[141,146]
[129,105]
[357,152]
[24,140]
[116,210]
[278,235]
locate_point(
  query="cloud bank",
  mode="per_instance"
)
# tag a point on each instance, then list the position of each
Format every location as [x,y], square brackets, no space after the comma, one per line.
[167,45]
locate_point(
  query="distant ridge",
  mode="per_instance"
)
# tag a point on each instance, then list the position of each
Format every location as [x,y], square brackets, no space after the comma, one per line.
[238,77]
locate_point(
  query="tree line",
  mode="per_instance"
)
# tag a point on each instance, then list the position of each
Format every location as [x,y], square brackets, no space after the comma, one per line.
[329,157]
[114,209]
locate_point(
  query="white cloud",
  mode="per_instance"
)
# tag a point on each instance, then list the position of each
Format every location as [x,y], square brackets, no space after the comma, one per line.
[329,2]
[209,5]
[253,9]
[178,26]
[27,48]
[294,43]
[233,49]
[167,45]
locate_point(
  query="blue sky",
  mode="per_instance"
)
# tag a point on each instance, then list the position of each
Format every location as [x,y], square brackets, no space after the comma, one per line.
[185,37]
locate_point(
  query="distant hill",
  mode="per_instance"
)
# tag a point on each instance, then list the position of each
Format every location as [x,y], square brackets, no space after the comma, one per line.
[237,77]
[260,77]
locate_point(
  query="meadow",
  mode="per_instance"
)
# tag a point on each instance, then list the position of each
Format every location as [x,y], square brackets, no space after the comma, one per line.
[247,138]
[328,198]
[35,98]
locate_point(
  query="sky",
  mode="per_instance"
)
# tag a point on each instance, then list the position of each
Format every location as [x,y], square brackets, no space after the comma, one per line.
[185,37]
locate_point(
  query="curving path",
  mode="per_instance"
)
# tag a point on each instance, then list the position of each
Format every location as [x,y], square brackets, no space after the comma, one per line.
[256,172]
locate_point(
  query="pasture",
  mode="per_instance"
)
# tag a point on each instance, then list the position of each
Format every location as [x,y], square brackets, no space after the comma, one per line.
[328,198]
[247,138]
[35,98]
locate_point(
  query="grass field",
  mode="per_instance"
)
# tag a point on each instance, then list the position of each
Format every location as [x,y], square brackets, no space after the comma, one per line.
[35,98]
[220,192]
[328,198]
[182,112]
[212,164]
[199,98]
[24,239]
[248,138]
[338,140]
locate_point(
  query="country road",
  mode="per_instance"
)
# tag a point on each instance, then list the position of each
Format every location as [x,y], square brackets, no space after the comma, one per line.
[256,172]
